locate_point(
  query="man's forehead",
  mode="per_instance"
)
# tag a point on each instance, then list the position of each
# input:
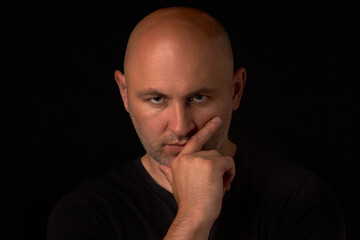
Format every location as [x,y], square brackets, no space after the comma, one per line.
[170,82]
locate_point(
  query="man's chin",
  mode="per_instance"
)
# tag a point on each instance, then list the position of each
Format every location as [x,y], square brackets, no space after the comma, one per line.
[164,160]
[169,160]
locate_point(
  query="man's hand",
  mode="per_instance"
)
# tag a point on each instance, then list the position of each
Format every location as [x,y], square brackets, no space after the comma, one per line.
[199,180]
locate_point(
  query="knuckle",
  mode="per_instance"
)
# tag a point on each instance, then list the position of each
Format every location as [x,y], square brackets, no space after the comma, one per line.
[214,152]
[186,157]
[229,160]
[198,159]
[195,138]
[207,164]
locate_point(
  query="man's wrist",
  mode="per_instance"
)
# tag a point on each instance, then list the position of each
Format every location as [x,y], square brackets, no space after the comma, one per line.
[188,226]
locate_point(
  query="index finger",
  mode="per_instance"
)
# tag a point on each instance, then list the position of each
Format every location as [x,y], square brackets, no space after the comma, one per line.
[197,141]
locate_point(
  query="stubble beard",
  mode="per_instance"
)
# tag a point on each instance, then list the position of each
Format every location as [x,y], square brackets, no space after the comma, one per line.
[156,150]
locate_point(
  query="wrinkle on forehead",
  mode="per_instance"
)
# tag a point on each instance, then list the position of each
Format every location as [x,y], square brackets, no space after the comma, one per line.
[180,28]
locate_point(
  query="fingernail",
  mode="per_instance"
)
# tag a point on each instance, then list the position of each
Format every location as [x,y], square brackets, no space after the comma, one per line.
[216,119]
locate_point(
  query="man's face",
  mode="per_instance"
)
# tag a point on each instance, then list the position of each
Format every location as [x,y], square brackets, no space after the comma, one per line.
[172,92]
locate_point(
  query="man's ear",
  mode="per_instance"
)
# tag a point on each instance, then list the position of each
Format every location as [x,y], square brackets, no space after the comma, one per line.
[239,79]
[120,80]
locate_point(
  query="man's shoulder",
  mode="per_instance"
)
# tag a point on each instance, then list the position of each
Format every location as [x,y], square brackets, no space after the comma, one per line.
[277,181]
[121,179]
[114,203]
[115,184]
[280,198]
[263,167]
[93,203]
[116,176]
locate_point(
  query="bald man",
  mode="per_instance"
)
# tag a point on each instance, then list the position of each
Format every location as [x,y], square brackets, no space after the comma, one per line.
[180,89]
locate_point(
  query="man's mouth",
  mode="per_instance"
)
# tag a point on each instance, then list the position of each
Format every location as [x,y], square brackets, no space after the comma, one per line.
[175,147]
[181,143]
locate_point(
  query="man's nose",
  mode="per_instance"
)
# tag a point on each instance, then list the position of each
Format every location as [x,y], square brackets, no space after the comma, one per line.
[180,120]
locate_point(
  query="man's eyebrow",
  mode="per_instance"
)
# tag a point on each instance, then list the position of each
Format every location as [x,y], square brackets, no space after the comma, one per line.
[202,91]
[153,92]
[149,93]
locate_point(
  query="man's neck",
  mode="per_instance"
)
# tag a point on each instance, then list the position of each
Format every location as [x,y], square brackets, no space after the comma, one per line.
[228,148]
[152,167]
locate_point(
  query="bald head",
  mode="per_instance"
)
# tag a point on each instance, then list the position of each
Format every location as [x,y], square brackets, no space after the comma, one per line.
[178,30]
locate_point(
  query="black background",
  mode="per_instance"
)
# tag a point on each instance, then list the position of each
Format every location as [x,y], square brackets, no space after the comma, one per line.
[67,122]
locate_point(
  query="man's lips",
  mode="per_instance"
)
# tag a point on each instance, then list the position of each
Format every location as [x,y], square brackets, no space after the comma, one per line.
[175,147]
[183,142]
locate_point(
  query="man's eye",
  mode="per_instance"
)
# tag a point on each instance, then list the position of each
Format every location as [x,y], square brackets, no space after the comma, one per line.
[198,98]
[157,100]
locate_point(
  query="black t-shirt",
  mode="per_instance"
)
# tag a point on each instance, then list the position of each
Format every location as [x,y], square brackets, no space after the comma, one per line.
[269,199]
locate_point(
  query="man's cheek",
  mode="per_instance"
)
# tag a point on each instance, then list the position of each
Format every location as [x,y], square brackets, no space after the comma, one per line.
[202,119]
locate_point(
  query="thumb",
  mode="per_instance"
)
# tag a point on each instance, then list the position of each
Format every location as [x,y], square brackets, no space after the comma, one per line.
[167,172]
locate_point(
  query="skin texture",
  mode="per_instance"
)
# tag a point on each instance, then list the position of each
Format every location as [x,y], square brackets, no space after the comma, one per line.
[180,89]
